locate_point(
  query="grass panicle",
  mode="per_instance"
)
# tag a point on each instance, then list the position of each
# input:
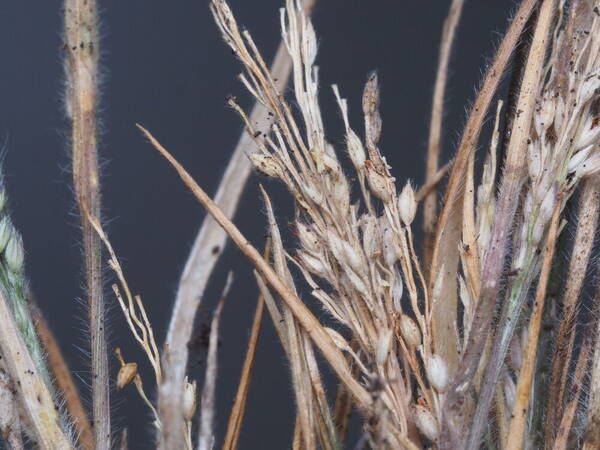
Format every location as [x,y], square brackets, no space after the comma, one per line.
[467,337]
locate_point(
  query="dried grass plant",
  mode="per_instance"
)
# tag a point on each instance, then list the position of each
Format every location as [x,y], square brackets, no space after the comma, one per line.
[469,339]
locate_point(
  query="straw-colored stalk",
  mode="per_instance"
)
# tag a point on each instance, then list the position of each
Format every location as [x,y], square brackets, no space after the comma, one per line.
[435,128]
[238,410]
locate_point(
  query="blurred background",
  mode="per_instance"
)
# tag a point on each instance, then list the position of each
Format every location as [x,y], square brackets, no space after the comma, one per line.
[165,66]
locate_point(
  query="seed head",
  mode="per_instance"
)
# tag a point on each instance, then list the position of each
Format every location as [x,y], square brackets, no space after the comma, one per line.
[545,114]
[389,247]
[338,340]
[14,252]
[589,88]
[2,198]
[371,111]
[589,134]
[579,159]
[510,390]
[308,238]
[534,160]
[314,265]
[5,232]
[341,194]
[371,238]
[313,194]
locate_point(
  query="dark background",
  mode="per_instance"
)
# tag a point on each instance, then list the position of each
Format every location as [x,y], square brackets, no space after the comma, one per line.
[166,67]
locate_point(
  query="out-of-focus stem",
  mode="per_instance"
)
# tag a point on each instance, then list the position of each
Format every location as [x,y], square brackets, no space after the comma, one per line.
[64,381]
[589,205]
[207,411]
[35,398]
[592,434]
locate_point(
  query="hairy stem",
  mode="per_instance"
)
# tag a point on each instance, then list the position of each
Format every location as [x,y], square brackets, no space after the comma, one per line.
[64,380]
[592,434]
[435,127]
[81,46]
[510,187]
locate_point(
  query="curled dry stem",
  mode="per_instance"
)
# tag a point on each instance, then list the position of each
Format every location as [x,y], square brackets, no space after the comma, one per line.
[135,315]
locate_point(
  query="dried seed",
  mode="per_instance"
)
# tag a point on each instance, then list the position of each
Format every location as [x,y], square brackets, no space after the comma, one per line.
[379,184]
[267,165]
[410,331]
[407,205]
[189,399]
[383,346]
[126,374]
[437,372]
[356,150]
[426,423]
